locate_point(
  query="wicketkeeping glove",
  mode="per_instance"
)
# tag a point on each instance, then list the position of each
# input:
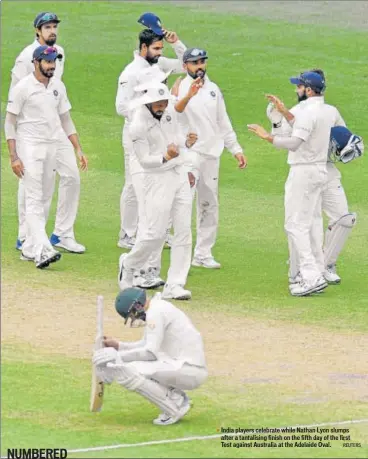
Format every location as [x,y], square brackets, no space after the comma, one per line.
[273,115]
[102,356]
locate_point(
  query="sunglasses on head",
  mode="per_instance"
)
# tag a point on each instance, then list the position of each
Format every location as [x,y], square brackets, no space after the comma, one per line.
[49,50]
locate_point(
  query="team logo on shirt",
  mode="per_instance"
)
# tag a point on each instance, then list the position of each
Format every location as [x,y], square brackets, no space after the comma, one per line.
[151,325]
[213,94]
[168,118]
[55,93]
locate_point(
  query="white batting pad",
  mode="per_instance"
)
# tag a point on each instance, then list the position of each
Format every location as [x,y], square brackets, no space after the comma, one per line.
[149,389]
[336,237]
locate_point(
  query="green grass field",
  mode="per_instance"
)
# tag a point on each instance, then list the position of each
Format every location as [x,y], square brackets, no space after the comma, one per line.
[274,360]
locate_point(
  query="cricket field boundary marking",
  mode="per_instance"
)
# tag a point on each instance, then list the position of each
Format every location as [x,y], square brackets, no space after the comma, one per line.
[203,437]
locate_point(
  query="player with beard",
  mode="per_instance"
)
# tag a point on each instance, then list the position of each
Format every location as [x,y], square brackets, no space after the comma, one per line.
[307,146]
[38,109]
[205,114]
[151,44]
[46,27]
[334,201]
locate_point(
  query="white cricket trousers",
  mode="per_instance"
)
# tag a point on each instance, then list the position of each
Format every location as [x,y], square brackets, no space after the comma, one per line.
[128,198]
[334,205]
[165,193]
[155,258]
[207,205]
[68,195]
[168,373]
[303,200]
[38,181]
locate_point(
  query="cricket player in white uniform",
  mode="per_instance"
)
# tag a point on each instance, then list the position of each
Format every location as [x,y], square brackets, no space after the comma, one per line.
[150,53]
[334,201]
[162,151]
[308,147]
[206,115]
[38,108]
[149,275]
[168,360]
[46,25]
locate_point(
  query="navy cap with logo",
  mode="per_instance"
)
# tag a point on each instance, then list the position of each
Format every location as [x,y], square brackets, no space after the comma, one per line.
[47,53]
[310,80]
[194,54]
[44,18]
[151,21]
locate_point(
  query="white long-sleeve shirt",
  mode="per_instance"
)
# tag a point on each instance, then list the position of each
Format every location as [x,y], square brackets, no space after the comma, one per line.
[128,78]
[24,66]
[151,137]
[206,115]
[169,333]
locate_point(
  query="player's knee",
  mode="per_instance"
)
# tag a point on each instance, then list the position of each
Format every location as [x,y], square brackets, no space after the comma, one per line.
[129,378]
[348,221]
[70,180]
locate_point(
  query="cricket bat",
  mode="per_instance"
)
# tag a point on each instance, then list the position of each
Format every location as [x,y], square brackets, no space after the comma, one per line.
[97,389]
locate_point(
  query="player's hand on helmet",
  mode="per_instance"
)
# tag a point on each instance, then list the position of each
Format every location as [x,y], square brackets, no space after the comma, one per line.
[242,160]
[18,167]
[170,36]
[110,342]
[278,103]
[175,87]
[172,151]
[103,356]
[195,87]
[83,161]
[191,139]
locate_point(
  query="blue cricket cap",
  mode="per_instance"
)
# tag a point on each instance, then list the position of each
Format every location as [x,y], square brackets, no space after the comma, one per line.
[151,21]
[310,80]
[47,53]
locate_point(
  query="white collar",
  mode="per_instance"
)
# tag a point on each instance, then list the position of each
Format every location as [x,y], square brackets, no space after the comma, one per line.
[314,100]
[137,56]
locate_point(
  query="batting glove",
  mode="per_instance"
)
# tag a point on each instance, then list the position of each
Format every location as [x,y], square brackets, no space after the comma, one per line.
[103,356]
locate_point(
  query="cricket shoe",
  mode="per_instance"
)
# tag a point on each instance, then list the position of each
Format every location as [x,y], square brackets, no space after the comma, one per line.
[148,279]
[67,243]
[208,262]
[126,242]
[47,257]
[305,288]
[18,244]
[295,280]
[181,399]
[125,276]
[331,275]
[176,292]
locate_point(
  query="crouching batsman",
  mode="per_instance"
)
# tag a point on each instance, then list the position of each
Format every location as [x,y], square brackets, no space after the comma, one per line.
[168,361]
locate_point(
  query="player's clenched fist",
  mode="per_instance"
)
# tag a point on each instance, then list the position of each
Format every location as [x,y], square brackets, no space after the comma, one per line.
[110,342]
[191,139]
[103,356]
[172,151]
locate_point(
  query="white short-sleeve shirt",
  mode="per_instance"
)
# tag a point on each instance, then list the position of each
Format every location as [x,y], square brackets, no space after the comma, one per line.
[38,108]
